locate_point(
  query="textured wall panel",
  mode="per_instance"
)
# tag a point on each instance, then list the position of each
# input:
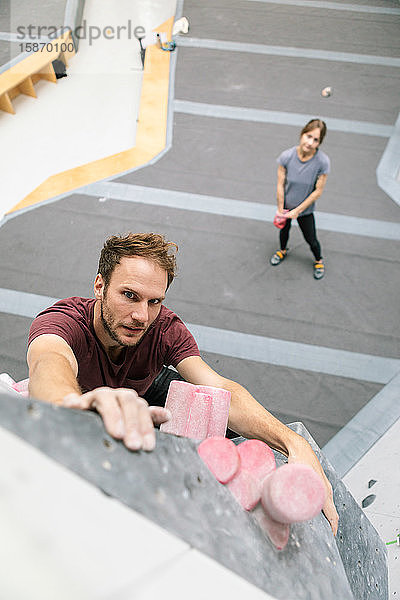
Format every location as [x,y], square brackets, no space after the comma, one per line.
[174,488]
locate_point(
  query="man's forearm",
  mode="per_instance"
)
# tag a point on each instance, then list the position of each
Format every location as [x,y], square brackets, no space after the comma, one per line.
[251,420]
[51,378]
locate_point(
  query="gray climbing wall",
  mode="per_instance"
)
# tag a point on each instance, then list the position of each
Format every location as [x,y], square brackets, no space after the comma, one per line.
[173,487]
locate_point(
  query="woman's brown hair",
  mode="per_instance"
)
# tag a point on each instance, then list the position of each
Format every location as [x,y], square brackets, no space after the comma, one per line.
[315,124]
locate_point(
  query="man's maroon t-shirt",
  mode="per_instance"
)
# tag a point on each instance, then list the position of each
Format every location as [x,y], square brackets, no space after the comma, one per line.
[166,342]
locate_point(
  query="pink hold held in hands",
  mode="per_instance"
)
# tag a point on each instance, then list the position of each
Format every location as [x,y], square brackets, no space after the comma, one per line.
[280,218]
[198,411]
[221,457]
[293,493]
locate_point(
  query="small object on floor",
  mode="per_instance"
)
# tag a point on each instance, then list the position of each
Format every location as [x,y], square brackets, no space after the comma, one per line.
[166,46]
[371,482]
[60,69]
[181,26]
[396,541]
[142,50]
[221,457]
[169,46]
[319,269]
[278,257]
[368,500]
[326,92]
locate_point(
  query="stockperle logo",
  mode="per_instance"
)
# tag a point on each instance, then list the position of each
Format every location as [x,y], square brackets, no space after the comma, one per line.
[83,32]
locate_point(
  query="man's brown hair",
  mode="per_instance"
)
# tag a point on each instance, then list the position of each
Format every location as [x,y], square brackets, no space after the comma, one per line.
[315,124]
[148,245]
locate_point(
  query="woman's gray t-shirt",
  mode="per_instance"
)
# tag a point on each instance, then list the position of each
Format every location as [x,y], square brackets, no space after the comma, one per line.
[301,177]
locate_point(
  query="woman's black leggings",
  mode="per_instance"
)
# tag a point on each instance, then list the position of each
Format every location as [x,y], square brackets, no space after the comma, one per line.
[307,226]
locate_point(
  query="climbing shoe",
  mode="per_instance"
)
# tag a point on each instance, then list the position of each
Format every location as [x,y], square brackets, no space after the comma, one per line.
[278,257]
[319,269]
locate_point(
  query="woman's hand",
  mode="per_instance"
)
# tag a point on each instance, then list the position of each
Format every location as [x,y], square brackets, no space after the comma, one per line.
[282,212]
[293,214]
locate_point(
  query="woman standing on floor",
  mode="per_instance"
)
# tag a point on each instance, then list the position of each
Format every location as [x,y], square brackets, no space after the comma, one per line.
[302,175]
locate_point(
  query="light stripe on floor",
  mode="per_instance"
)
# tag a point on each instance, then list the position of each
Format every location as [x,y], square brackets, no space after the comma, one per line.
[236,208]
[5,36]
[239,113]
[23,304]
[381,10]
[307,357]
[295,355]
[311,53]
[365,428]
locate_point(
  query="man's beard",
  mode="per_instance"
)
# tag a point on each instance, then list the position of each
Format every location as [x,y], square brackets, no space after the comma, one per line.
[108,323]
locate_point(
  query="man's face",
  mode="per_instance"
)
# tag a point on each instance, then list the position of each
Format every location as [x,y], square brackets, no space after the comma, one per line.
[131,301]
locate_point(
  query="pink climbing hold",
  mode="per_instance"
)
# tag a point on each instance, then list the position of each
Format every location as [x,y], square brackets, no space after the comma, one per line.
[257,458]
[198,417]
[221,457]
[9,384]
[198,411]
[278,533]
[293,493]
[22,387]
[246,488]
[218,409]
[256,462]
